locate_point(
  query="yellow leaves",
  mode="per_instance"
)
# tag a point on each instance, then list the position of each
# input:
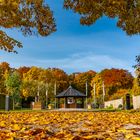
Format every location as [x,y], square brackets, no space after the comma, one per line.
[137,139]
[25,93]
[2,124]
[108,139]
[128,136]
[16,127]
[26,16]
[1,1]
[10,138]
[8,43]
[127,12]
[69,125]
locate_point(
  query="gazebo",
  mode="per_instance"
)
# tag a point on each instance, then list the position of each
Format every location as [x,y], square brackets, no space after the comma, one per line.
[72,98]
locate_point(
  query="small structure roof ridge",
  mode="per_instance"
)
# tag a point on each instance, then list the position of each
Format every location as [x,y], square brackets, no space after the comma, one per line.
[70,92]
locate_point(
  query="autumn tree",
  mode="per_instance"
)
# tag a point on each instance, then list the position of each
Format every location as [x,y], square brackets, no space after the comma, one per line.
[61,79]
[98,81]
[97,89]
[42,81]
[81,79]
[31,80]
[29,16]
[23,70]
[114,80]
[55,78]
[136,87]
[29,88]
[36,80]
[120,93]
[117,78]
[4,67]
[4,72]
[126,12]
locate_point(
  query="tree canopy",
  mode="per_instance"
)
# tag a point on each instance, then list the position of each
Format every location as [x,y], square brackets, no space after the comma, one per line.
[13,83]
[80,80]
[116,81]
[34,17]
[127,12]
[29,16]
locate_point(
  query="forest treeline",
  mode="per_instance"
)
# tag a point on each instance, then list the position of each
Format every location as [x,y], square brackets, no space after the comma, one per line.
[25,81]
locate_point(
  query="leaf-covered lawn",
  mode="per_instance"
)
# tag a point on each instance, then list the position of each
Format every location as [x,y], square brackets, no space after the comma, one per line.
[70,126]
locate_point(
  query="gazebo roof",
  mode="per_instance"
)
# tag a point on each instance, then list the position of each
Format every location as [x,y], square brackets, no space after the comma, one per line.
[70,92]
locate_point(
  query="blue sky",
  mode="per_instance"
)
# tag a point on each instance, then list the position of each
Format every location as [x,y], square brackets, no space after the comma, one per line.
[76,48]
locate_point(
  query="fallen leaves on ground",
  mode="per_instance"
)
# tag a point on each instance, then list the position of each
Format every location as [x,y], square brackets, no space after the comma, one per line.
[70,126]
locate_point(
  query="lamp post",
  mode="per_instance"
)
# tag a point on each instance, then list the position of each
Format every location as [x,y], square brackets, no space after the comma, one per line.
[47,95]
[7,103]
[55,93]
[86,93]
[103,92]
[94,94]
[38,93]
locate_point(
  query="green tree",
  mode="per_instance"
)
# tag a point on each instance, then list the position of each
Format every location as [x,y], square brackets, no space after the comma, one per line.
[13,85]
[29,16]
[126,12]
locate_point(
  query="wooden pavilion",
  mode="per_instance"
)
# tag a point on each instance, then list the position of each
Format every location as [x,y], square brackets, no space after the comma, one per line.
[72,98]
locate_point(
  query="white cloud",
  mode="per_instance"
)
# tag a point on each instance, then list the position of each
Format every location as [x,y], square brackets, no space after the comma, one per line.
[87,61]
[77,62]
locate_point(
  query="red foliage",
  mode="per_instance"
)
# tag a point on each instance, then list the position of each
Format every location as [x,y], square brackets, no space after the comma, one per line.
[117,77]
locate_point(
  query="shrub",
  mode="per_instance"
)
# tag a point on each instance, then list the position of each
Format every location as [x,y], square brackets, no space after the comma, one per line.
[110,107]
[120,106]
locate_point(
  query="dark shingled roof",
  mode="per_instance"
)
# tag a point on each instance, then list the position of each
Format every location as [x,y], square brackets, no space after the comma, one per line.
[70,92]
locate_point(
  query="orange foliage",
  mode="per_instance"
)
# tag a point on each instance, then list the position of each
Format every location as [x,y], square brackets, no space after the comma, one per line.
[69,126]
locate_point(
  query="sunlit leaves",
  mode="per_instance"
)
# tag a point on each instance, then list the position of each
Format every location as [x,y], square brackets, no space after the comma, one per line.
[29,16]
[79,81]
[116,81]
[7,43]
[136,87]
[98,81]
[127,12]
[70,125]
[117,77]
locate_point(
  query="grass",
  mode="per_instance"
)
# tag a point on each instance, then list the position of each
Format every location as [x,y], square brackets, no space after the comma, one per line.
[63,110]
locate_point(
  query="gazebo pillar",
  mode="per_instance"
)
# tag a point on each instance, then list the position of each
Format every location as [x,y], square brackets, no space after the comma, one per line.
[82,102]
[65,102]
[75,100]
[58,103]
